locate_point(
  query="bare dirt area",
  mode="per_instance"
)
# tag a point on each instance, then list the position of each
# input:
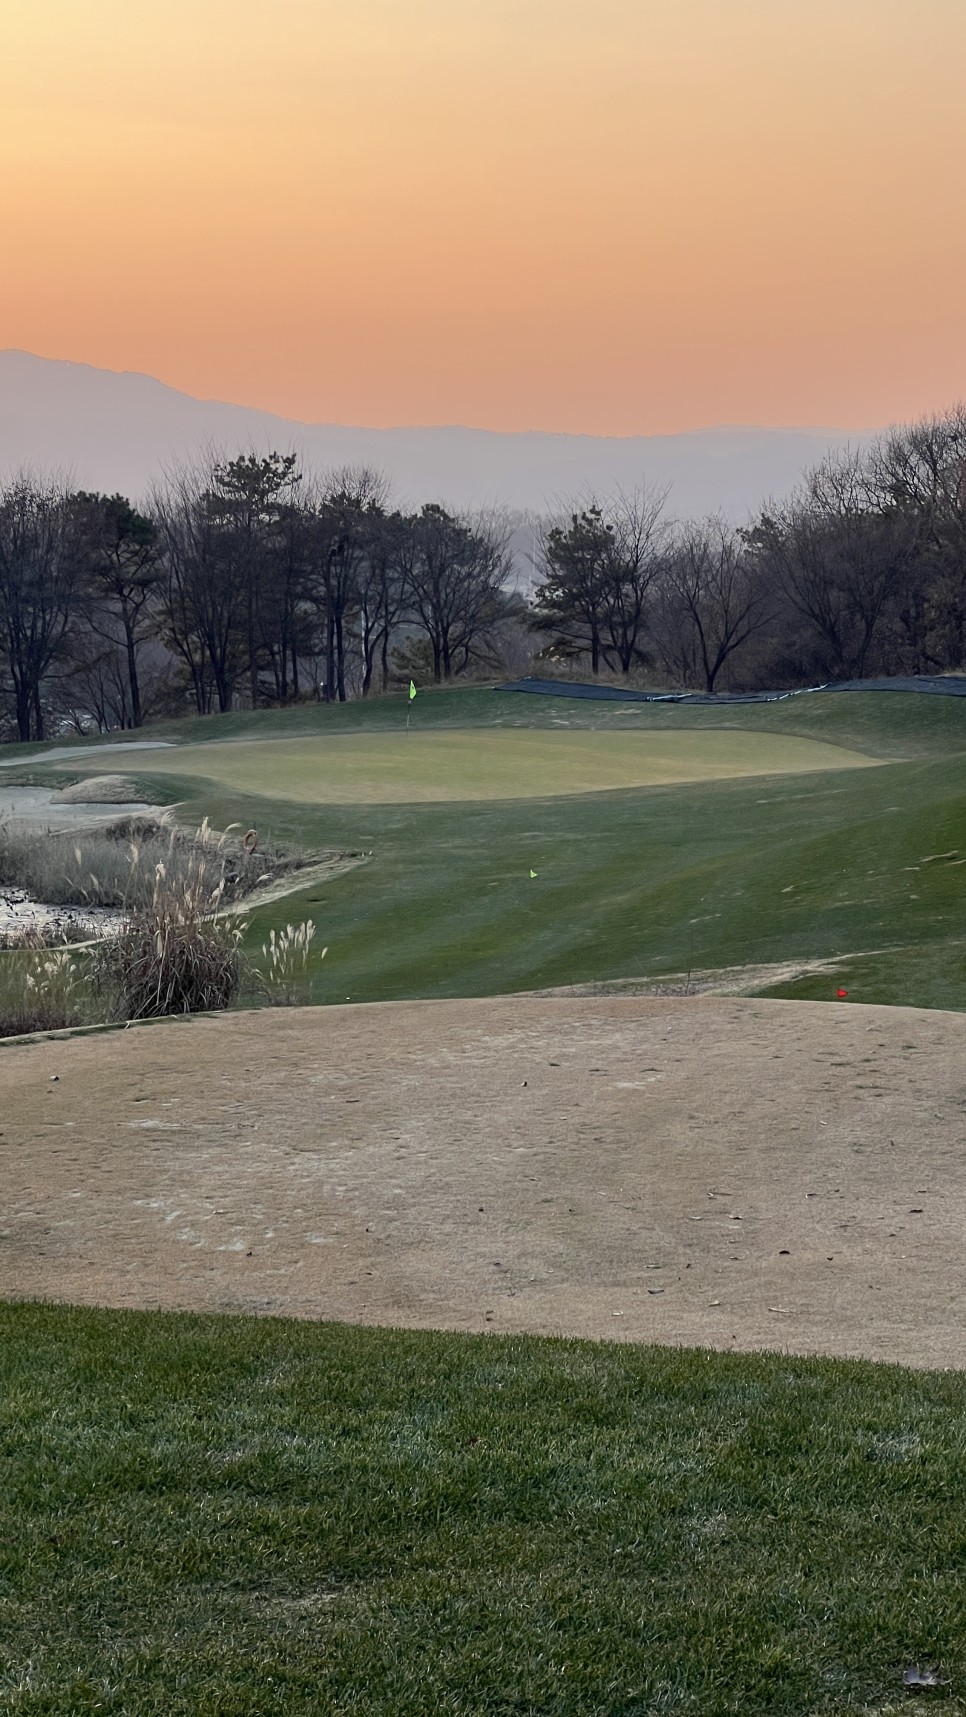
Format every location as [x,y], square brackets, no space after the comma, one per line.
[730,1173]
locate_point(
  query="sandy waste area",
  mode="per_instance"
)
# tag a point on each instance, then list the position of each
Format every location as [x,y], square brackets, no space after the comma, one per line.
[707,1170]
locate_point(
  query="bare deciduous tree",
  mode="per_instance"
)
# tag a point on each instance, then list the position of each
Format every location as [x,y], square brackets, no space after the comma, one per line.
[458,567]
[638,550]
[381,584]
[711,600]
[204,599]
[838,560]
[919,474]
[44,557]
[124,583]
[344,508]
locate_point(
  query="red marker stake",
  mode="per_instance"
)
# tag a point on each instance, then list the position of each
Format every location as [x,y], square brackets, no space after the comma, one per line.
[841,994]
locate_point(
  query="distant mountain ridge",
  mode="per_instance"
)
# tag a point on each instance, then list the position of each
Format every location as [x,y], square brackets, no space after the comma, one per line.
[117,430]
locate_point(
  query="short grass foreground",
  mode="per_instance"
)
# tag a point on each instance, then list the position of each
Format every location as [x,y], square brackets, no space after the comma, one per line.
[242,1516]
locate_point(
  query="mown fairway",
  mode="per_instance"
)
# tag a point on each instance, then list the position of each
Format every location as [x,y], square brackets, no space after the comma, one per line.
[238,1516]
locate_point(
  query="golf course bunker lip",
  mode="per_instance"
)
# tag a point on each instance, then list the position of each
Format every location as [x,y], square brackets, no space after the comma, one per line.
[24,810]
[711,1172]
[439,765]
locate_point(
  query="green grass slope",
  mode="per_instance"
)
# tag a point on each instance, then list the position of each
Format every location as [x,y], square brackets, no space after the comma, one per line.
[239,1516]
[634,883]
[887,724]
[630,882]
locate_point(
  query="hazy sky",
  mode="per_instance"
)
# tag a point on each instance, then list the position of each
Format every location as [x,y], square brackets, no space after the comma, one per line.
[613,216]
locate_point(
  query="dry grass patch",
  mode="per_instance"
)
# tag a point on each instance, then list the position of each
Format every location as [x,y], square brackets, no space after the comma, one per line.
[99,790]
[116,864]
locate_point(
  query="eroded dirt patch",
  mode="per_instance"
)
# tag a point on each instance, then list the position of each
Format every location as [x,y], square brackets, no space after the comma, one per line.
[734,1173]
[715,981]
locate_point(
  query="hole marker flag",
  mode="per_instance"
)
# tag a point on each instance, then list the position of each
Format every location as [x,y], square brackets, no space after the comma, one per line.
[412,690]
[533,873]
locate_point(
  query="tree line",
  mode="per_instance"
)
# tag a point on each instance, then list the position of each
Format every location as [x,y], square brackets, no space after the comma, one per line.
[860,573]
[241,583]
[245,582]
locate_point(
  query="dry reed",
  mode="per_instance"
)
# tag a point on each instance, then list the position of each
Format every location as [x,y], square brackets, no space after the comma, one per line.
[176,954]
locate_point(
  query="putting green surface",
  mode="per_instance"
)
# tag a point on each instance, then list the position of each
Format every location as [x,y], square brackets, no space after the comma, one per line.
[387,768]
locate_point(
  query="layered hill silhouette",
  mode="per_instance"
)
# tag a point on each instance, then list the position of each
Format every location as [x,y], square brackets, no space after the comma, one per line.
[116,431]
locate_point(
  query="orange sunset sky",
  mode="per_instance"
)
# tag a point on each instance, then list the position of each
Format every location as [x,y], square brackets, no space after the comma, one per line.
[608,216]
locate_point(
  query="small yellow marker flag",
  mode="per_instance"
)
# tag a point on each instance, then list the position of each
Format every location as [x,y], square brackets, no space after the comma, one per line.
[533,873]
[412,690]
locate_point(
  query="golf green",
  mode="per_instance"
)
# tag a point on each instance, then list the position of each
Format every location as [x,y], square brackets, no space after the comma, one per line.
[404,768]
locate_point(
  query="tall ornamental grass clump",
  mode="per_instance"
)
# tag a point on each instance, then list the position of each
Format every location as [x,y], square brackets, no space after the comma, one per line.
[42,992]
[175,955]
[287,956]
[116,864]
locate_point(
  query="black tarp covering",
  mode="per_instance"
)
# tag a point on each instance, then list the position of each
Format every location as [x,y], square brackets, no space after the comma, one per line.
[941,685]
